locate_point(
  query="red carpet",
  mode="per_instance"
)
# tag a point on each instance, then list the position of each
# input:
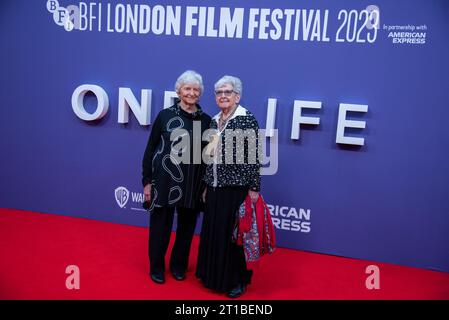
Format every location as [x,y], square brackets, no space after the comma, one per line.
[36,248]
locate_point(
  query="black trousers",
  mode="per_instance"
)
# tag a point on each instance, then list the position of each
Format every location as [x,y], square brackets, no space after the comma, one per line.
[161,223]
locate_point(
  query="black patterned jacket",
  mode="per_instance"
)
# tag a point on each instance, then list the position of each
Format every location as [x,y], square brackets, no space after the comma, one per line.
[238,164]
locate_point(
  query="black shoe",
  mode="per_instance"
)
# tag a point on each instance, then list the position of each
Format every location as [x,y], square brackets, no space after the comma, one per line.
[157,277]
[178,275]
[237,291]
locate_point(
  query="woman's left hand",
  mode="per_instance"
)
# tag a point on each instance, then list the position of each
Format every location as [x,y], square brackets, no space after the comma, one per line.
[254,195]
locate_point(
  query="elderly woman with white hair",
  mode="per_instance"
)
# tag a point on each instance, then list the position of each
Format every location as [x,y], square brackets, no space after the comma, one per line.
[171,183]
[221,262]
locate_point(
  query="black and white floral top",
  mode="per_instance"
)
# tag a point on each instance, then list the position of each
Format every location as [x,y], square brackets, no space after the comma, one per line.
[238,163]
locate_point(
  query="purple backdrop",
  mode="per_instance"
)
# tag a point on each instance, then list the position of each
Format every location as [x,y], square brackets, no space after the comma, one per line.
[385,201]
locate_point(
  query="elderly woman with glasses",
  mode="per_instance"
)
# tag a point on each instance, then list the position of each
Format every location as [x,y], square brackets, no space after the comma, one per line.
[171,181]
[232,174]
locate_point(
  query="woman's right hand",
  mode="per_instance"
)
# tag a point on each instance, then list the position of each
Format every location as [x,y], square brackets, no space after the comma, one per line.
[204,195]
[147,192]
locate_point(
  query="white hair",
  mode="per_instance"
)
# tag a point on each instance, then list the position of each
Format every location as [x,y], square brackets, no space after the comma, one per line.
[235,82]
[189,76]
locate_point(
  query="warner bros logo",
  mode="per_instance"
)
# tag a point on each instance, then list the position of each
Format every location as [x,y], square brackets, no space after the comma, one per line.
[121,196]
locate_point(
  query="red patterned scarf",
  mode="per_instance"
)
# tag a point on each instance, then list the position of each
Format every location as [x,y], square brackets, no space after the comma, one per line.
[254,229]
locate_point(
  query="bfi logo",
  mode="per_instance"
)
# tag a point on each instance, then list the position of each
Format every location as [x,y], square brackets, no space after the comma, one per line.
[67,17]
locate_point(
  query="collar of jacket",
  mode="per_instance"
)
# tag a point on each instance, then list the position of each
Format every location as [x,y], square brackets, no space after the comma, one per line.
[240,111]
[194,115]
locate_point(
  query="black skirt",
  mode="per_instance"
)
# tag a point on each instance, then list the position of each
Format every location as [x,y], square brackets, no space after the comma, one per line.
[221,263]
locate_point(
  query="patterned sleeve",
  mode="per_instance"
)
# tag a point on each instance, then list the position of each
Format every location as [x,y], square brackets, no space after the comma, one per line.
[152,144]
[252,155]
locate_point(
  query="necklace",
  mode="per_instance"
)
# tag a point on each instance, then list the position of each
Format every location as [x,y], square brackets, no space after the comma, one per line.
[222,122]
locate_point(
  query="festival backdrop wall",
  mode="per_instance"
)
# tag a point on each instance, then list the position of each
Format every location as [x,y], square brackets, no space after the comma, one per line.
[382,196]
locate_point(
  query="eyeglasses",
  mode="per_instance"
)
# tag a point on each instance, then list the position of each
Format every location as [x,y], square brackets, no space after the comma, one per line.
[227,93]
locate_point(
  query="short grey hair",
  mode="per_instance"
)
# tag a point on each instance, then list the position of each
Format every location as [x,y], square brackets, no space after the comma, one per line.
[235,82]
[189,76]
